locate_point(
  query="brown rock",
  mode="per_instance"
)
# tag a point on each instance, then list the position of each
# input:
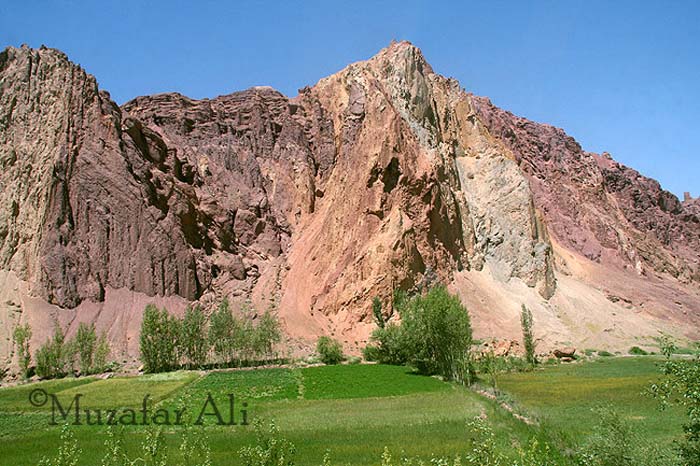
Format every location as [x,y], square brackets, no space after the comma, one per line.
[567,352]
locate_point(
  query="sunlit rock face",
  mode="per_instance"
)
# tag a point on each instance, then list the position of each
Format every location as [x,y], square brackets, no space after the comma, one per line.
[384,175]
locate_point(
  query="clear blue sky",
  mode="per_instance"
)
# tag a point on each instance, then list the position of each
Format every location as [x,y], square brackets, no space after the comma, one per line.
[621,76]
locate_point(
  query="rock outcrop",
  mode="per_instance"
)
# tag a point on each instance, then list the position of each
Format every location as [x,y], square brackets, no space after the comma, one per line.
[383,175]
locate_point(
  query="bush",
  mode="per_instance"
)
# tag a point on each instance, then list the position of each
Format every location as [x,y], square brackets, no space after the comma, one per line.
[605,354]
[160,336]
[52,356]
[637,351]
[21,336]
[329,350]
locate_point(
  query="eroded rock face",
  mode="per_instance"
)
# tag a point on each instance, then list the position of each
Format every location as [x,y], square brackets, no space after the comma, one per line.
[598,207]
[383,175]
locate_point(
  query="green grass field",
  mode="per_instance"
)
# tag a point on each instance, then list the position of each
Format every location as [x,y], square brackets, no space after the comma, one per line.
[565,396]
[353,411]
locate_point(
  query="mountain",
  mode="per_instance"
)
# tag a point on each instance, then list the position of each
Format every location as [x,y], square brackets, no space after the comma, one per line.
[384,175]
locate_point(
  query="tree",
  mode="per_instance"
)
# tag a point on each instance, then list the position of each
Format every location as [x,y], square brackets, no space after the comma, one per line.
[329,349]
[52,356]
[21,336]
[528,338]
[101,353]
[437,333]
[84,344]
[194,343]
[160,339]
[377,312]
[387,346]
[223,332]
[267,334]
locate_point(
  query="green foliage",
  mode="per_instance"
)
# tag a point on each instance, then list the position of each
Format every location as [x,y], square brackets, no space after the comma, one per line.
[270,448]
[434,336]
[637,351]
[377,312]
[605,354]
[101,354]
[68,453]
[193,342]
[612,442]
[482,449]
[225,333]
[52,357]
[84,344]
[528,337]
[266,335]
[387,346]
[21,336]
[160,336]
[680,385]
[329,350]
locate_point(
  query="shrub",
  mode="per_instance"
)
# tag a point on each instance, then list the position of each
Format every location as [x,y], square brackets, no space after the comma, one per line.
[21,336]
[528,338]
[159,339]
[605,354]
[194,344]
[84,345]
[637,351]
[329,350]
[52,356]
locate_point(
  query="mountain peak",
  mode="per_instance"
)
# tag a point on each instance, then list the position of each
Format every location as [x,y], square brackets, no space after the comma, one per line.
[403,55]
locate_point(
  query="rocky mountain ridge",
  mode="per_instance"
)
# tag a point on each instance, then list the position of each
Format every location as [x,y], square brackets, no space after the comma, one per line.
[380,176]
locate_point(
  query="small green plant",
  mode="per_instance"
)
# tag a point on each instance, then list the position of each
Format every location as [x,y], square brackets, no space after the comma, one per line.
[482,449]
[270,448]
[329,350]
[21,336]
[68,453]
[605,354]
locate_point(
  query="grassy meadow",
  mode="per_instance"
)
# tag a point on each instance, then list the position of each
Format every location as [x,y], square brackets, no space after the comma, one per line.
[352,411]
